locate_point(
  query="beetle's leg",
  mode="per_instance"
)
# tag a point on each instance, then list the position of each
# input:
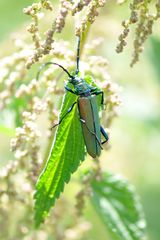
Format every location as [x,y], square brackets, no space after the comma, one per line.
[69,90]
[93,89]
[100,92]
[84,122]
[105,135]
[69,110]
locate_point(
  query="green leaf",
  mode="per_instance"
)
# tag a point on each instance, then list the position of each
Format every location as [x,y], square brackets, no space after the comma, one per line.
[119,207]
[67,153]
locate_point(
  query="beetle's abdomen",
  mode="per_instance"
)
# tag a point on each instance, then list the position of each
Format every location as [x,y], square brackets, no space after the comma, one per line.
[88,110]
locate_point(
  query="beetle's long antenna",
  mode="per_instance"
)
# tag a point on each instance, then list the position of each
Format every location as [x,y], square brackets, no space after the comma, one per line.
[48,63]
[78,55]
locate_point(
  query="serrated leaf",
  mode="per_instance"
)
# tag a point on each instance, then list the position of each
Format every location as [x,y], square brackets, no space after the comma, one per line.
[118,205]
[67,153]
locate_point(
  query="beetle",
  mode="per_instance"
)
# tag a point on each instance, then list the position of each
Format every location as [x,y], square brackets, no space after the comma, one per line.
[87,107]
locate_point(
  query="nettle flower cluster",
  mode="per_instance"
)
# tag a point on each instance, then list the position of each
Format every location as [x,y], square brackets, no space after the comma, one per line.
[143,17]
[86,10]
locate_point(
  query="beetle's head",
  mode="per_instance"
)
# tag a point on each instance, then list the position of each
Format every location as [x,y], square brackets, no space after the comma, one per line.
[75,79]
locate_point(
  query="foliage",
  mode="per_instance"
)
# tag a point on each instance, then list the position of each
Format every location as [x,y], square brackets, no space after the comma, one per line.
[117,203]
[66,155]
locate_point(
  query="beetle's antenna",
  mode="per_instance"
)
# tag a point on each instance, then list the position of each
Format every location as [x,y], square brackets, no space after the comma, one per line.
[48,63]
[78,55]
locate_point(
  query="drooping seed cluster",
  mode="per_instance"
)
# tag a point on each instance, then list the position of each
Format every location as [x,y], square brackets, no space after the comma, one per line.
[89,11]
[26,144]
[123,37]
[63,11]
[79,5]
[144,20]
[41,48]
[89,17]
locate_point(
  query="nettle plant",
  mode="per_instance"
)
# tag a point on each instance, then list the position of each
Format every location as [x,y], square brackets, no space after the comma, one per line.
[29,101]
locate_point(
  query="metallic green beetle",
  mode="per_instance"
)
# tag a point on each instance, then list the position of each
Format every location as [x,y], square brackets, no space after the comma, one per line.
[87,107]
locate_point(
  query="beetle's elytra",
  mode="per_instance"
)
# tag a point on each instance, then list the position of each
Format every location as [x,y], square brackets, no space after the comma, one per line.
[88,111]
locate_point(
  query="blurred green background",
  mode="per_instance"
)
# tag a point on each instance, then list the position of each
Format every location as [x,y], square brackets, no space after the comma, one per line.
[135,134]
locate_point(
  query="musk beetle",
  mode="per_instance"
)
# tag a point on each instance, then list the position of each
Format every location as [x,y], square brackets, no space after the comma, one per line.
[87,107]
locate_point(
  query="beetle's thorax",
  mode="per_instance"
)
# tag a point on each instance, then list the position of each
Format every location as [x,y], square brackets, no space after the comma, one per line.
[81,87]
